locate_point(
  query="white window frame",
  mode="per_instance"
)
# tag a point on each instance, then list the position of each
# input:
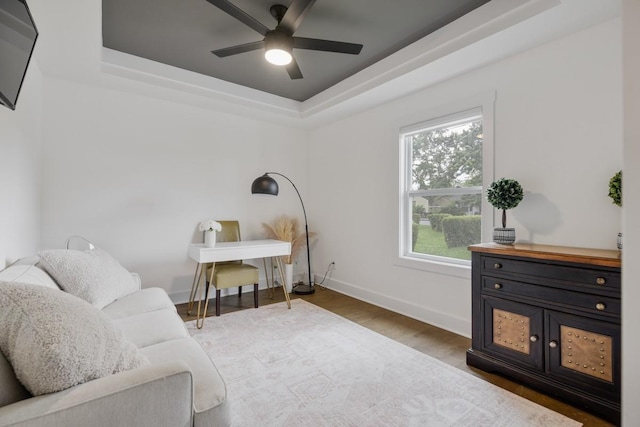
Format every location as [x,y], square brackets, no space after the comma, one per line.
[483,105]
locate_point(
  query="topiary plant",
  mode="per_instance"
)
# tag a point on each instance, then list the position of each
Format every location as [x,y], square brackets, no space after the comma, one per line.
[615,189]
[505,194]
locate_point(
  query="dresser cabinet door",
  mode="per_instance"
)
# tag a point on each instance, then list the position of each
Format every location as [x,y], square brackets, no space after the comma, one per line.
[514,331]
[585,353]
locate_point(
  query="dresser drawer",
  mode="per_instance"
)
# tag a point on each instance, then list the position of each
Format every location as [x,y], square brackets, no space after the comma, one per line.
[596,304]
[593,278]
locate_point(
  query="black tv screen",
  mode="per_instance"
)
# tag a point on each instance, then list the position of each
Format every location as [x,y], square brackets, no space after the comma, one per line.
[18,36]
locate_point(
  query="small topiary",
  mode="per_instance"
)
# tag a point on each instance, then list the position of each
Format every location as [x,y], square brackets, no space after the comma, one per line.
[505,194]
[615,189]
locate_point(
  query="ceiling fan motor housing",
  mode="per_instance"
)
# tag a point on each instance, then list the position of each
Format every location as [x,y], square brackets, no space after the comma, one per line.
[276,39]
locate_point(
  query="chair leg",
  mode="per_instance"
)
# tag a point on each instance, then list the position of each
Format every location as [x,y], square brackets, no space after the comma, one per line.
[217,302]
[255,294]
[239,291]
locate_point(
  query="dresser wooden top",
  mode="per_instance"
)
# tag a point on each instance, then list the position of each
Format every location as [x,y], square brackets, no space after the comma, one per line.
[602,257]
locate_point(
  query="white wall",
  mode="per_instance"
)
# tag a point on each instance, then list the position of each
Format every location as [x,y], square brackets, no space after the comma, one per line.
[631,219]
[20,177]
[135,174]
[557,130]
[135,165]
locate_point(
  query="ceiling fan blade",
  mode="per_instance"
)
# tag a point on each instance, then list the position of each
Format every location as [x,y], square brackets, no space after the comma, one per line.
[294,70]
[326,45]
[295,14]
[240,15]
[241,48]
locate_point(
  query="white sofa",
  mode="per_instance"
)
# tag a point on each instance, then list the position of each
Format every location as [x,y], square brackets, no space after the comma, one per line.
[179,386]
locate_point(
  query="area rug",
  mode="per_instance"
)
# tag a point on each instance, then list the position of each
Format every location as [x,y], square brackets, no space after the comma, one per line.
[310,367]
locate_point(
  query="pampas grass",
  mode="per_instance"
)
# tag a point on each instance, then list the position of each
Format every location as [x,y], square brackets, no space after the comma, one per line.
[286,228]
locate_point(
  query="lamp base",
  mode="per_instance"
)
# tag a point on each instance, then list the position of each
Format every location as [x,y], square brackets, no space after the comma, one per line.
[303,289]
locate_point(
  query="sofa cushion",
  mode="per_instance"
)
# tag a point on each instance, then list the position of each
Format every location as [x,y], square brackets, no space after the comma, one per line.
[93,275]
[150,328]
[25,270]
[143,301]
[211,407]
[54,340]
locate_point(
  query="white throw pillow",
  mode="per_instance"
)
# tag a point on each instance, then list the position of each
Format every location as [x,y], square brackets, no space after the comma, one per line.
[54,340]
[93,275]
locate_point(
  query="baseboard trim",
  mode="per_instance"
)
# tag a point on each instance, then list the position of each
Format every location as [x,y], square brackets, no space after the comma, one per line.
[433,317]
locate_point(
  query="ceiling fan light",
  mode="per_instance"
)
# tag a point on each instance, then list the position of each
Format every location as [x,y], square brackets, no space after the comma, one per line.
[278,56]
[278,47]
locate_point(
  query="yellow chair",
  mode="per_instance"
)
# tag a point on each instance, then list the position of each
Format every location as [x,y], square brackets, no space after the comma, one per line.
[230,274]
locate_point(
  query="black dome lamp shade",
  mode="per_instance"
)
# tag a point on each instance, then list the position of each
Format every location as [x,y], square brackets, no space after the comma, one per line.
[266,185]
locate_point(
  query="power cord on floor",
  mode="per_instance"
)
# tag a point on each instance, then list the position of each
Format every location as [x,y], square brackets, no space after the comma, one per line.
[330,268]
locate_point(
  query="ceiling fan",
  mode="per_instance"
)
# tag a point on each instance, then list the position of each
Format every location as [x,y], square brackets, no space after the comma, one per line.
[280,42]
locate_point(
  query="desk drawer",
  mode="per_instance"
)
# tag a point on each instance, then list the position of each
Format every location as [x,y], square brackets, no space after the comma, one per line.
[595,278]
[596,304]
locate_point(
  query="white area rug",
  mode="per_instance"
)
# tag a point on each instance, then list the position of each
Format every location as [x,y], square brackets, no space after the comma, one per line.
[309,367]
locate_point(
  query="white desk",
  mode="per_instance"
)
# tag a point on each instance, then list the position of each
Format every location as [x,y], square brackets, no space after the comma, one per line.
[231,251]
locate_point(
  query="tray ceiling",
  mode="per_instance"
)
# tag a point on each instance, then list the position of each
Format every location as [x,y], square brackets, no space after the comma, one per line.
[182,33]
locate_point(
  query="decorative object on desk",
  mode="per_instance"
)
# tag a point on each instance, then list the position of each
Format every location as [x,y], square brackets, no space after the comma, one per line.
[267,185]
[615,192]
[210,227]
[504,194]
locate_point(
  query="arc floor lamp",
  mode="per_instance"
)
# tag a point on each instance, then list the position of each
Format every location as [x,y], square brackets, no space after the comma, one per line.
[266,185]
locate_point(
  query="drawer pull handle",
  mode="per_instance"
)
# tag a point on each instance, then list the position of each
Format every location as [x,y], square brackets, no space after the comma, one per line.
[497,266]
[497,286]
[600,306]
[533,338]
[601,281]
[553,344]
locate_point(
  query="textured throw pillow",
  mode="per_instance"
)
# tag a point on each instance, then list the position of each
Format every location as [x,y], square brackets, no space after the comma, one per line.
[54,340]
[93,275]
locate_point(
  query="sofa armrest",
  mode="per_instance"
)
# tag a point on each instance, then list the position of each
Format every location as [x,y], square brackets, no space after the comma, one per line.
[148,396]
[136,278]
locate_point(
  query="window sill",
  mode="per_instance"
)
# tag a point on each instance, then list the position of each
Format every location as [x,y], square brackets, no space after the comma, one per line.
[432,266]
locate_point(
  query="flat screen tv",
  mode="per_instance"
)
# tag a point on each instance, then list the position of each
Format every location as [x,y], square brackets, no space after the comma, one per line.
[18,36]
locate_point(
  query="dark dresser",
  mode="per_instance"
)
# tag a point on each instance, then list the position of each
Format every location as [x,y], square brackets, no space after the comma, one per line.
[549,317]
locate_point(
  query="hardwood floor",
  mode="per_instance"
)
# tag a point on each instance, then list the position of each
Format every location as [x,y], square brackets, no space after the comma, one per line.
[443,345]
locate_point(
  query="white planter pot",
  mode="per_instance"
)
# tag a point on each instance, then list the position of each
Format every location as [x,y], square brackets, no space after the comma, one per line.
[504,236]
[209,239]
[288,277]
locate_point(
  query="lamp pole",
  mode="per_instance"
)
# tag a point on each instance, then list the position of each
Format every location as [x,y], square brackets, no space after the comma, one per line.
[267,185]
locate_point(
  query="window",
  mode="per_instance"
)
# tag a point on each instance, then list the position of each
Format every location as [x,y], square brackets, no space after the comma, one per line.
[442,175]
